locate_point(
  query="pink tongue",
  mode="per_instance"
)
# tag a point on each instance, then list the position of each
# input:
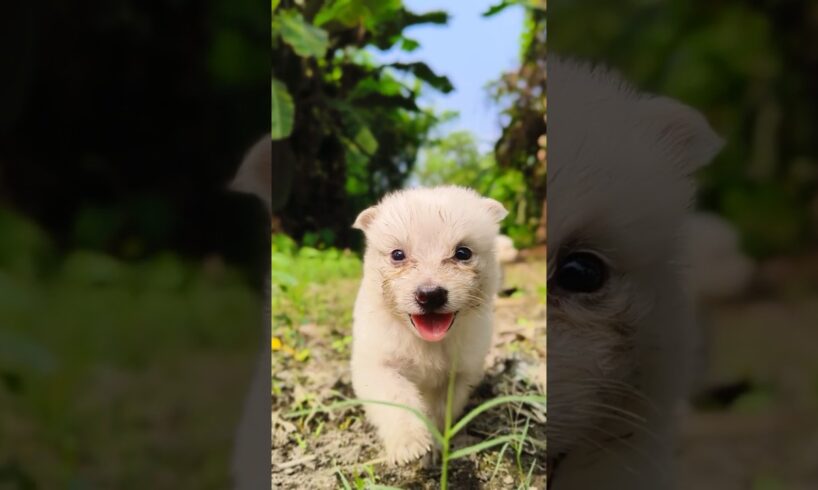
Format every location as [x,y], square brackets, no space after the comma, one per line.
[433,326]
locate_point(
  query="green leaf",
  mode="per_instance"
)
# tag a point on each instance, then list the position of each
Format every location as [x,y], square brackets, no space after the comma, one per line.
[504,4]
[425,73]
[306,40]
[274,5]
[408,44]
[358,140]
[344,480]
[361,147]
[347,12]
[282,110]
[476,448]
[438,17]
[497,8]
[364,141]
[389,101]
[530,399]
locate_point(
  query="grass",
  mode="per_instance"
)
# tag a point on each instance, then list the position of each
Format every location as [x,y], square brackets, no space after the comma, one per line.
[313,291]
[299,295]
[444,438]
[88,349]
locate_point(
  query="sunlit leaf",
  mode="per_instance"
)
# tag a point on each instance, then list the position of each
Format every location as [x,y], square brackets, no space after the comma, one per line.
[305,39]
[348,12]
[282,110]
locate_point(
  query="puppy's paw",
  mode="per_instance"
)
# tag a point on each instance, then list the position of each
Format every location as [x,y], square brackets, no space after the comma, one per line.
[431,460]
[408,445]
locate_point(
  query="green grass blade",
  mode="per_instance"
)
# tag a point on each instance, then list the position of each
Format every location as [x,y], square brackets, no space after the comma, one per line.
[530,472]
[531,399]
[344,480]
[521,444]
[499,460]
[450,398]
[447,436]
[476,448]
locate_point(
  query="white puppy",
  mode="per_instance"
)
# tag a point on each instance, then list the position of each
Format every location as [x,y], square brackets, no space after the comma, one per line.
[424,308]
[250,460]
[620,322]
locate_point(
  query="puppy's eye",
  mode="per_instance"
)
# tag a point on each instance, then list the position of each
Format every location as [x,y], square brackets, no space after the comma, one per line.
[581,272]
[462,253]
[398,255]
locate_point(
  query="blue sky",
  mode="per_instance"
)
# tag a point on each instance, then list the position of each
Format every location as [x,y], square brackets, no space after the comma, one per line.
[471,51]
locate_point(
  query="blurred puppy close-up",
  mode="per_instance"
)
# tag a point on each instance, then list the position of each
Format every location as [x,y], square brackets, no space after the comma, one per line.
[620,320]
[424,308]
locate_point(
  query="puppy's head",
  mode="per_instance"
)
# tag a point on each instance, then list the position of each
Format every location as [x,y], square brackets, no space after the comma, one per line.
[619,187]
[432,251]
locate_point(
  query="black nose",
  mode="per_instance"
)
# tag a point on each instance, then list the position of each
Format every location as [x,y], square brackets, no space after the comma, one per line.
[431,298]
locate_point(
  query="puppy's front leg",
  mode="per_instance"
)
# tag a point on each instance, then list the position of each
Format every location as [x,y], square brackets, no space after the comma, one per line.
[405,436]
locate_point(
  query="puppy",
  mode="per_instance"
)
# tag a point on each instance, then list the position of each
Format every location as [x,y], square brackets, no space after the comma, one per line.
[424,308]
[250,458]
[620,320]
[507,253]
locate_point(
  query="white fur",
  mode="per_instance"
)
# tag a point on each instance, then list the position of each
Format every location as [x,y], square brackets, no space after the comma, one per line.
[719,268]
[507,253]
[255,174]
[619,185]
[250,459]
[390,362]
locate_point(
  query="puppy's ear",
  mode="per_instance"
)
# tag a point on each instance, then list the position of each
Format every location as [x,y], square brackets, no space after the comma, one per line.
[255,174]
[681,131]
[365,218]
[495,209]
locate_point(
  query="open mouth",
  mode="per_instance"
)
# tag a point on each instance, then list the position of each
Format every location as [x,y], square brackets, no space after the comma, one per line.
[432,327]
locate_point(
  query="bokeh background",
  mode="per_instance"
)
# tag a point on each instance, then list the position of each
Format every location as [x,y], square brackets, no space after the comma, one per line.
[362,100]
[750,68]
[130,278]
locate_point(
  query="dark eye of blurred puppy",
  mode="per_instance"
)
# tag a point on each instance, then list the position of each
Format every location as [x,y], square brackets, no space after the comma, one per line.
[462,253]
[398,255]
[581,272]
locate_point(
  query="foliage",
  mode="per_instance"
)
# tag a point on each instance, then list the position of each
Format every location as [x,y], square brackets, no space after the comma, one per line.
[356,127]
[522,145]
[156,103]
[456,159]
[749,68]
[450,430]
[68,320]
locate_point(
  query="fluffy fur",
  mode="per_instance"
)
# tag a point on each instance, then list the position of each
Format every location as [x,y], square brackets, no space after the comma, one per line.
[250,461]
[619,187]
[390,361]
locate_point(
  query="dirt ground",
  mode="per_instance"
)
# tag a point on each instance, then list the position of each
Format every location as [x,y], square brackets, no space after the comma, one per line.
[758,429]
[314,451]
